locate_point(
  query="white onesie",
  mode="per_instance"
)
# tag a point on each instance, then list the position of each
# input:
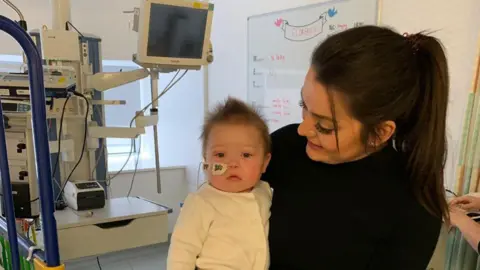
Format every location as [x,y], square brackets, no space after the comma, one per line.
[220,230]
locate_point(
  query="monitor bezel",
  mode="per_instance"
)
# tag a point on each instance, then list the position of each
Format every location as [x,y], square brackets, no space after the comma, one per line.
[144,27]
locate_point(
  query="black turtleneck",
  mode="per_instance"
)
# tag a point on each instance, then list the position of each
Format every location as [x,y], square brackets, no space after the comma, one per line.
[354,216]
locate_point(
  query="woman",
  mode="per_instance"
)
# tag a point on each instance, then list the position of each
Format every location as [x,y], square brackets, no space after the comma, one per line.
[467,226]
[359,183]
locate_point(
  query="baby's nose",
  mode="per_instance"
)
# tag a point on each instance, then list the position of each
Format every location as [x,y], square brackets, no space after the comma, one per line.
[233,164]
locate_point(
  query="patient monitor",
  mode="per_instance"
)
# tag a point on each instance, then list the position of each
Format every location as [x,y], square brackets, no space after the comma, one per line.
[174,33]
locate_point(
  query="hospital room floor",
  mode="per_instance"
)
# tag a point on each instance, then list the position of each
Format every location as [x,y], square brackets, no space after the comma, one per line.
[146,258]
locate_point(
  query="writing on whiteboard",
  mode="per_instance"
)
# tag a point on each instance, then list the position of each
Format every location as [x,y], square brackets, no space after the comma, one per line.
[257,58]
[335,28]
[281,107]
[304,32]
[277,57]
[357,24]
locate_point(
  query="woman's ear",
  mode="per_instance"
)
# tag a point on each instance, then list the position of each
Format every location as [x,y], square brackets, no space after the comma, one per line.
[268,157]
[383,133]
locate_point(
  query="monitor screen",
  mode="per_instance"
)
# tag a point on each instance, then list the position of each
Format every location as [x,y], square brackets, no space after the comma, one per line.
[176,32]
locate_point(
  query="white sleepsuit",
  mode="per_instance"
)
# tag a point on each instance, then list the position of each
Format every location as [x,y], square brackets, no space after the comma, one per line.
[219,230]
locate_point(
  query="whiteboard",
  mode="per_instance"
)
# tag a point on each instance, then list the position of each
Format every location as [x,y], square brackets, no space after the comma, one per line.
[280,45]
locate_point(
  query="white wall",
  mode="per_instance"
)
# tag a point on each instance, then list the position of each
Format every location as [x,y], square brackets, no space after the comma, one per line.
[88,16]
[457,25]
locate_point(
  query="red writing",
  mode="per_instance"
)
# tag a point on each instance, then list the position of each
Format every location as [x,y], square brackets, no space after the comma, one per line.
[281,101]
[334,27]
[277,57]
[273,120]
[342,26]
[280,113]
[281,107]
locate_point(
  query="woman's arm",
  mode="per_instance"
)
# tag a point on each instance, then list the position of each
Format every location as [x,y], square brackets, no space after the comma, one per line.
[189,233]
[468,227]
[411,245]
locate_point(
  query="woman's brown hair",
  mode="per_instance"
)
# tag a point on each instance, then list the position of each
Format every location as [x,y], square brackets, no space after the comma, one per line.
[386,76]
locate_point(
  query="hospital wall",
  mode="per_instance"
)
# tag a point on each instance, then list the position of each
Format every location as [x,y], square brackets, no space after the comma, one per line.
[456,24]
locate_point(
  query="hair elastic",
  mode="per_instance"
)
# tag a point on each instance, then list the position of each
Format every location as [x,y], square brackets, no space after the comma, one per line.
[413,39]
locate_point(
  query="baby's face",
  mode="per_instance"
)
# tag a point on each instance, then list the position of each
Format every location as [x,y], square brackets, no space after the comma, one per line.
[240,147]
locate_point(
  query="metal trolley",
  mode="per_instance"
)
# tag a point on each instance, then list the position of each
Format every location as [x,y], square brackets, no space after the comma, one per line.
[49,258]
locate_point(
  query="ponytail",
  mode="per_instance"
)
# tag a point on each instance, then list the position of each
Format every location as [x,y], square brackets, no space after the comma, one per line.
[426,143]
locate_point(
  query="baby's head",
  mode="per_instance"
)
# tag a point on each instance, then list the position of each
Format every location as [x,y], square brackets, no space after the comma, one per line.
[235,136]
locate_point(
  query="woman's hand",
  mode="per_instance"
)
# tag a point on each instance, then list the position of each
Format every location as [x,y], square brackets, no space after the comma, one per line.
[457,216]
[466,202]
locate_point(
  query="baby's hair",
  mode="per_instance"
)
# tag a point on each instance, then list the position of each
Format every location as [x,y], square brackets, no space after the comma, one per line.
[234,111]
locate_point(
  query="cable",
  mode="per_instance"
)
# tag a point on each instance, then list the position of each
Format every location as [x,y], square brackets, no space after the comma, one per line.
[102,145]
[135,169]
[167,88]
[17,10]
[198,174]
[69,23]
[83,146]
[451,192]
[99,265]
[103,149]
[59,139]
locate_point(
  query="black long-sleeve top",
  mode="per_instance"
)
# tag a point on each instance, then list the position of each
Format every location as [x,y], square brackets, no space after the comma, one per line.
[359,215]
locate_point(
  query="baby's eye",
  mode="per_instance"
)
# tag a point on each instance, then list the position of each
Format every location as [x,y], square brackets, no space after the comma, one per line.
[220,155]
[247,155]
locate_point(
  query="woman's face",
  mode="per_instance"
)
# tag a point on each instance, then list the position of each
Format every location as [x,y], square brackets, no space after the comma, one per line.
[318,126]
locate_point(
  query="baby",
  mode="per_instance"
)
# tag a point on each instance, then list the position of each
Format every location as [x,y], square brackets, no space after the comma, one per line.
[224,224]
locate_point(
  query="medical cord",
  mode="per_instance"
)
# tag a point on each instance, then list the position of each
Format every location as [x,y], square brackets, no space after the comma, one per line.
[99,265]
[135,117]
[17,10]
[73,26]
[103,149]
[198,175]
[102,144]
[169,86]
[83,146]
[59,139]
[132,144]
[451,192]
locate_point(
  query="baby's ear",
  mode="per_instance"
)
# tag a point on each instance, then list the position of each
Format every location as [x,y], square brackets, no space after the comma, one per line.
[268,157]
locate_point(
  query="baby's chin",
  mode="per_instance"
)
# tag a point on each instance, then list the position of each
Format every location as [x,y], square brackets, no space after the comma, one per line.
[231,187]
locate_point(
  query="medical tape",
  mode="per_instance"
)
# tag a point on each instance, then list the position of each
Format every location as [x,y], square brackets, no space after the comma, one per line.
[216,168]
